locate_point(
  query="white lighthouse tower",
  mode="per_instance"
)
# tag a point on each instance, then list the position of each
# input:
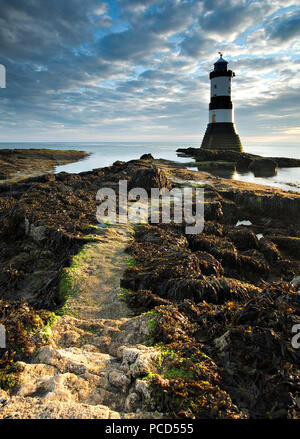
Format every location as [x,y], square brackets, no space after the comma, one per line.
[220,133]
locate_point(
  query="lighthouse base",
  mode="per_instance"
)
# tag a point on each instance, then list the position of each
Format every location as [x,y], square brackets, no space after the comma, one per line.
[221,136]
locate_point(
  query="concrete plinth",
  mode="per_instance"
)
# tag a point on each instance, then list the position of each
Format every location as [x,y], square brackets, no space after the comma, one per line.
[221,136]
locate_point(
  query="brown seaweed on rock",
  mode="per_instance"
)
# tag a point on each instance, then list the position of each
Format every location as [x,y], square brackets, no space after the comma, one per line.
[22,323]
[243,238]
[224,329]
[222,249]
[189,384]
[210,289]
[241,350]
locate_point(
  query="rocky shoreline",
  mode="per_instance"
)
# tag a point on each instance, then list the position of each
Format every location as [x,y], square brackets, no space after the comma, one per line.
[17,164]
[214,311]
[237,161]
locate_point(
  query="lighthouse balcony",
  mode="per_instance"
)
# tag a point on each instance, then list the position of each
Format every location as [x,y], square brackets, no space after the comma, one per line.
[216,73]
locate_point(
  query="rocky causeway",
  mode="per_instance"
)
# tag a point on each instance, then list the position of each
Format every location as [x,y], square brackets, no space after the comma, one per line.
[146,321]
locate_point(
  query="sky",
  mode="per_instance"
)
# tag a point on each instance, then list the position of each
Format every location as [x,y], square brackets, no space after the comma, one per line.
[139,69]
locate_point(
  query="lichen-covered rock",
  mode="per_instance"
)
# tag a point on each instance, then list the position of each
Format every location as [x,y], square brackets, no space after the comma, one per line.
[119,380]
[132,402]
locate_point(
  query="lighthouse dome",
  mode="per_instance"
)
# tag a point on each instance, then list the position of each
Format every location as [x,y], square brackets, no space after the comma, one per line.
[221,64]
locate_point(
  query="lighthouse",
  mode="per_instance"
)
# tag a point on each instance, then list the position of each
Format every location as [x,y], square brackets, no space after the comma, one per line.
[220,132]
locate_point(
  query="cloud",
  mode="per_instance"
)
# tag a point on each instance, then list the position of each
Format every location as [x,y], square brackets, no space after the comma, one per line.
[101,9]
[196,45]
[134,44]
[35,29]
[233,16]
[284,28]
[141,66]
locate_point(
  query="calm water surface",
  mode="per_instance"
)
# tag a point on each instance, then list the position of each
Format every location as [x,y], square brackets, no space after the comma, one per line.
[105,153]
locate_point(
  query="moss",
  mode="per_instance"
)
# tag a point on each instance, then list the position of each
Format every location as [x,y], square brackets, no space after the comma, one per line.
[175,373]
[165,352]
[130,262]
[151,325]
[124,295]
[46,331]
[68,285]
[150,376]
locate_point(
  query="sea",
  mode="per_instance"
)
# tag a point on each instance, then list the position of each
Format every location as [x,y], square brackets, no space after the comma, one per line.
[106,153]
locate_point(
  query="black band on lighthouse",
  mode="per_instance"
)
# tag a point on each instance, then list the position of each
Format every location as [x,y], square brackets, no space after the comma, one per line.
[220,102]
[215,74]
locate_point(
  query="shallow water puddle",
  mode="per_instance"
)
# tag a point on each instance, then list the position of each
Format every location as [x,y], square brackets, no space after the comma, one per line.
[243,223]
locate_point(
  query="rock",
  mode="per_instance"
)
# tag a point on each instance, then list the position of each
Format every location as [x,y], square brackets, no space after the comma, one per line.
[243,164]
[139,360]
[135,331]
[144,363]
[47,355]
[129,357]
[263,167]
[69,338]
[149,178]
[36,408]
[142,388]
[147,157]
[119,379]
[119,163]
[3,397]
[89,348]
[132,402]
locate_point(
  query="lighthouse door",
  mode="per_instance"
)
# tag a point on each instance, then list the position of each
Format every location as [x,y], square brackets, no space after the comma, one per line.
[213,118]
